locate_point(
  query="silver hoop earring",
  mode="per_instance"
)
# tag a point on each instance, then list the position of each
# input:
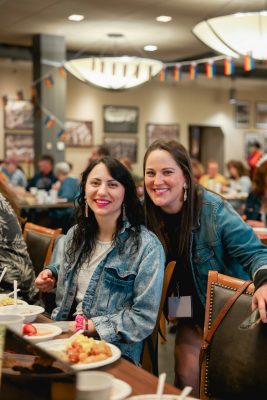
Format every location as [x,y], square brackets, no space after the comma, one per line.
[185,191]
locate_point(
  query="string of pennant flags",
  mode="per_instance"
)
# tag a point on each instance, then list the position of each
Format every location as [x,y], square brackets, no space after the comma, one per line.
[174,69]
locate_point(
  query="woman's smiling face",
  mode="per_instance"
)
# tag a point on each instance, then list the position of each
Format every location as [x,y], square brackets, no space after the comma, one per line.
[103,193]
[164,181]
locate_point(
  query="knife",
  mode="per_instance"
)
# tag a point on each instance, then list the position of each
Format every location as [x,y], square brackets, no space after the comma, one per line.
[251,321]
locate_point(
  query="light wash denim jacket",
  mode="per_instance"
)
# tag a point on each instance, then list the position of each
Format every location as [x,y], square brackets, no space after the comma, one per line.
[222,241]
[123,295]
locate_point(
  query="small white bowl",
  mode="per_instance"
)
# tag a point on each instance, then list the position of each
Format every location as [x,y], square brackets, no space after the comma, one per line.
[29,312]
[44,332]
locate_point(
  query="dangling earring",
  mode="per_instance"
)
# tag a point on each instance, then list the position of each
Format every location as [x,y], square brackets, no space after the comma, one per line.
[185,191]
[86,208]
[124,217]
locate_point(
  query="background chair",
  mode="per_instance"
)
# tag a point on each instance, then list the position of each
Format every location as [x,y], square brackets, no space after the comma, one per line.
[150,352]
[40,242]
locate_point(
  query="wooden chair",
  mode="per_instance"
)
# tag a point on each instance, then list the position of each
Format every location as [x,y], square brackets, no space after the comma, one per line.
[40,242]
[150,352]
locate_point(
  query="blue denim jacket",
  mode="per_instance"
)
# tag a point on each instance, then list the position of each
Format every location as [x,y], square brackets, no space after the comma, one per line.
[124,292]
[222,241]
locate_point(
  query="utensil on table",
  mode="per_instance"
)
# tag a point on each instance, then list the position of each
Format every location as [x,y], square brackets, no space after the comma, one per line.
[251,321]
[3,273]
[15,287]
[186,390]
[11,293]
[160,387]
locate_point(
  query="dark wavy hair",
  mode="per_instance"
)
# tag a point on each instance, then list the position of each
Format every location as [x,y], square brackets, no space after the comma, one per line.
[259,180]
[239,166]
[190,209]
[87,227]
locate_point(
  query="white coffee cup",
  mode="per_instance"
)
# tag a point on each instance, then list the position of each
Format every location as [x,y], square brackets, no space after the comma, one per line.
[33,191]
[93,385]
[53,194]
[41,196]
[14,322]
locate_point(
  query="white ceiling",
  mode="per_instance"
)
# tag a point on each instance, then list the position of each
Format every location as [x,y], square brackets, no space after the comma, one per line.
[135,19]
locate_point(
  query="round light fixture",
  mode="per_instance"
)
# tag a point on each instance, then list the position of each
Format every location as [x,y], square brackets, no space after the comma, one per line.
[236,34]
[163,18]
[150,47]
[76,17]
[114,72]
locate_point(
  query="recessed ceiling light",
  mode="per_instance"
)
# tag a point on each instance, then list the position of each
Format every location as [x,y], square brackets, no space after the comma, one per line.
[150,47]
[76,17]
[163,18]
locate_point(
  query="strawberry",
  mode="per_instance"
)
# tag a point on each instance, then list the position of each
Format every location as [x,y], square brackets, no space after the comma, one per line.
[29,329]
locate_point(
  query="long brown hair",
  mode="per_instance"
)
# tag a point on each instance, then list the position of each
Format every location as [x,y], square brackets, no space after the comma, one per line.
[259,181]
[190,209]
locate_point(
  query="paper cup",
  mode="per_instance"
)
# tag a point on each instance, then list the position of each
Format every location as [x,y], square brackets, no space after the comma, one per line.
[14,322]
[93,385]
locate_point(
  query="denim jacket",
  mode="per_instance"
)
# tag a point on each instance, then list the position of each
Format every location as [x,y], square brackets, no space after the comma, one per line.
[222,241]
[123,295]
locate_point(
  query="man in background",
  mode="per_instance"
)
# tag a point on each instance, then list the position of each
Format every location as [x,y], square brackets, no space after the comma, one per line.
[45,177]
[213,180]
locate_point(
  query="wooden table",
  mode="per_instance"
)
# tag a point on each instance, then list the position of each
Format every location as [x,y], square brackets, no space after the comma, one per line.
[141,381]
[61,204]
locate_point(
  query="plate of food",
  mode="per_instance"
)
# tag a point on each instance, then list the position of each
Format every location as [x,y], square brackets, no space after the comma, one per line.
[9,301]
[82,352]
[28,311]
[40,332]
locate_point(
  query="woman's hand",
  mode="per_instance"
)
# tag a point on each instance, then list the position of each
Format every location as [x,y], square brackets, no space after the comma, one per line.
[45,281]
[259,300]
[255,224]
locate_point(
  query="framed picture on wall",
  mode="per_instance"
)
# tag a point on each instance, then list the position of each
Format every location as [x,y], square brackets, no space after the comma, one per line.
[261,114]
[120,119]
[18,115]
[19,146]
[161,131]
[250,138]
[242,114]
[78,133]
[122,147]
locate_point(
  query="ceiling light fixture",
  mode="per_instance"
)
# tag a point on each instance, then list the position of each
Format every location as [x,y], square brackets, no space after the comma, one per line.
[114,72]
[163,18]
[236,35]
[76,17]
[150,47]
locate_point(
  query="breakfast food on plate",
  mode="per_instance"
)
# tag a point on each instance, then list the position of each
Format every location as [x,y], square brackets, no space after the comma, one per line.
[7,301]
[29,330]
[86,350]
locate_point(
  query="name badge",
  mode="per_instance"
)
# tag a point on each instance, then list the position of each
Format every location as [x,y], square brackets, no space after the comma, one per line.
[180,307]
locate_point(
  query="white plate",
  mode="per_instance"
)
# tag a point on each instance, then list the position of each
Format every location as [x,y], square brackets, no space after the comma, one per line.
[263,231]
[29,312]
[163,397]
[60,344]
[47,331]
[120,390]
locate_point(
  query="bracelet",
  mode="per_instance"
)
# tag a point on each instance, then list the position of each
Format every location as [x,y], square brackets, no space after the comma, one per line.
[81,323]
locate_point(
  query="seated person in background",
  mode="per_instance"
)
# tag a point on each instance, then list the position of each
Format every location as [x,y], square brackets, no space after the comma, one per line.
[13,250]
[256,206]
[68,188]
[98,152]
[16,176]
[239,178]
[112,271]
[213,180]
[197,168]
[254,156]
[45,177]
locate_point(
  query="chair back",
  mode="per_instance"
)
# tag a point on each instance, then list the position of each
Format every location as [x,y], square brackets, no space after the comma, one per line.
[150,352]
[40,242]
[233,360]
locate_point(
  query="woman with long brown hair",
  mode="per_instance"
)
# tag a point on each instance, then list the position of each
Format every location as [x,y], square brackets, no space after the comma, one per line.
[200,231]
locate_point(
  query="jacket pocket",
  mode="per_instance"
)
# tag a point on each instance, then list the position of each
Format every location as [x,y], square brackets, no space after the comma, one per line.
[206,257]
[117,290]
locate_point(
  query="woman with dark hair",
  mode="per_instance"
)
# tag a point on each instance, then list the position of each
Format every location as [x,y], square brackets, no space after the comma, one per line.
[112,271]
[200,231]
[255,213]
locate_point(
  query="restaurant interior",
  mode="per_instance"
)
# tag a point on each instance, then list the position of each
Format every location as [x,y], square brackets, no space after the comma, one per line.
[120,73]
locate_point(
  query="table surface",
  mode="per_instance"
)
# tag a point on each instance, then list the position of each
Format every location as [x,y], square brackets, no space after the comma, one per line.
[61,204]
[141,381]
